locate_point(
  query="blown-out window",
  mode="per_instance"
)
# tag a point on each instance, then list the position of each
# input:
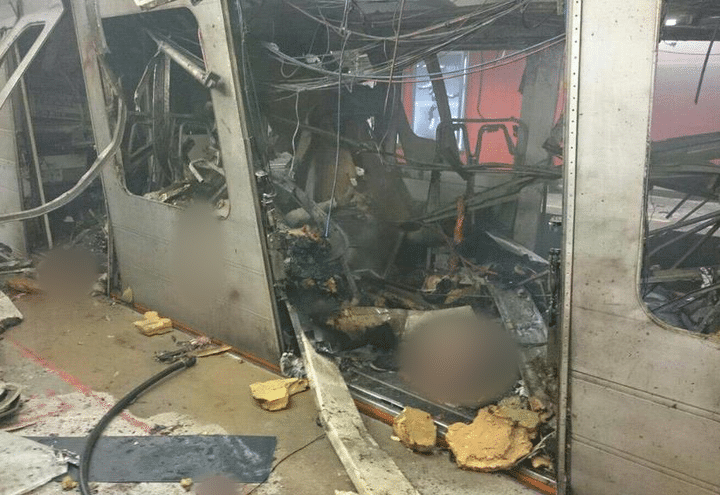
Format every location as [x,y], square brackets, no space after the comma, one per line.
[681,273]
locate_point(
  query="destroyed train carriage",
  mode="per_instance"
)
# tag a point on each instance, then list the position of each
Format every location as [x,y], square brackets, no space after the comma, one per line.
[429,193]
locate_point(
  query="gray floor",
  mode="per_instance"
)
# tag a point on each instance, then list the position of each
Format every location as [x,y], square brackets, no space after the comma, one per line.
[64,346]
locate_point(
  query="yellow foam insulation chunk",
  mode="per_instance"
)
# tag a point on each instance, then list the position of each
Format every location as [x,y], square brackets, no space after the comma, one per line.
[512,409]
[274,395]
[415,429]
[153,324]
[489,443]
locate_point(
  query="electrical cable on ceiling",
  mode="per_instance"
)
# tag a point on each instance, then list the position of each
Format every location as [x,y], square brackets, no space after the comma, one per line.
[420,34]
[330,76]
[408,59]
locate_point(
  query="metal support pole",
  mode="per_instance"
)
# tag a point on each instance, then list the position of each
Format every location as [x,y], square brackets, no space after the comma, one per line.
[33,149]
[190,63]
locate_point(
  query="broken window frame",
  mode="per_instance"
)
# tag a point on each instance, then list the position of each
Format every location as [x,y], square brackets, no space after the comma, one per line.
[48,19]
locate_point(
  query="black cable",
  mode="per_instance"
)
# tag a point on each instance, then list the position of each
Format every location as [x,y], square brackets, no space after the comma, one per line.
[322,435]
[705,63]
[114,411]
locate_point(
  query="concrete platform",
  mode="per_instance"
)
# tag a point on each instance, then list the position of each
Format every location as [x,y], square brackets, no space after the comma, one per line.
[65,346]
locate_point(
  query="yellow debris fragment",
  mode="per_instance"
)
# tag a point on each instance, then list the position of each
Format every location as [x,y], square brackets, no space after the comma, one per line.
[274,395]
[541,461]
[489,443]
[127,296]
[68,483]
[212,351]
[153,324]
[415,429]
[186,483]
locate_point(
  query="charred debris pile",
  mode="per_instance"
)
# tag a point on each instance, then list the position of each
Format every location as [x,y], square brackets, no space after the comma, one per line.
[394,249]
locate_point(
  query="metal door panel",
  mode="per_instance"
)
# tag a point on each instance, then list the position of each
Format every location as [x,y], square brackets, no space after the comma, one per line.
[610,473]
[629,376]
[240,307]
[639,354]
[611,418]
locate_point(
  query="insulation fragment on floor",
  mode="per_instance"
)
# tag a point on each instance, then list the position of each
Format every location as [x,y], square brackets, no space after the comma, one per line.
[489,443]
[24,285]
[415,429]
[26,465]
[9,314]
[274,395]
[152,324]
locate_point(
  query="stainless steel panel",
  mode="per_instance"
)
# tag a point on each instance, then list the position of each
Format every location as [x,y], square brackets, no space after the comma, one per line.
[600,471]
[611,417]
[11,234]
[630,376]
[224,289]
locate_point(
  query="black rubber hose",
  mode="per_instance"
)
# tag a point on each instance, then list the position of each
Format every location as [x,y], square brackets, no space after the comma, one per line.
[114,411]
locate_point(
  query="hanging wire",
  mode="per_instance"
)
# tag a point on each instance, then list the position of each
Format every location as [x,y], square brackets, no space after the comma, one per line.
[297,128]
[424,34]
[339,121]
[481,81]
[395,49]
[331,77]
[705,63]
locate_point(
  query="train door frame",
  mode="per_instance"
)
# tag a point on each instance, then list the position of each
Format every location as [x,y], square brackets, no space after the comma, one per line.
[640,401]
[244,312]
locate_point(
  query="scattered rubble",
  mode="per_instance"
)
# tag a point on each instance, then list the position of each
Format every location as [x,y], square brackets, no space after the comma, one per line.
[500,436]
[511,408]
[212,351]
[292,366]
[489,443]
[415,429]
[9,314]
[186,483]
[24,285]
[152,324]
[68,483]
[274,395]
[198,347]
[541,461]
[9,399]
[127,296]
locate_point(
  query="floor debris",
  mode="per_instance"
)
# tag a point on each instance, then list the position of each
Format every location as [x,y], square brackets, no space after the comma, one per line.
[24,285]
[489,443]
[212,351]
[274,395]
[541,462]
[511,408]
[9,399]
[26,465]
[127,296]
[68,483]
[369,467]
[198,347]
[186,483]
[500,436]
[9,314]
[152,324]
[415,429]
